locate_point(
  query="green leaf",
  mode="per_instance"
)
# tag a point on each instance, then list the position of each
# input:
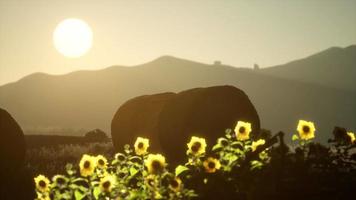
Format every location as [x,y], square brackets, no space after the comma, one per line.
[135,159]
[69,166]
[295,137]
[127,149]
[232,158]
[180,169]
[65,195]
[133,171]
[217,147]
[256,165]
[80,179]
[95,183]
[114,162]
[228,133]
[69,169]
[237,145]
[263,155]
[96,192]
[78,195]
[82,188]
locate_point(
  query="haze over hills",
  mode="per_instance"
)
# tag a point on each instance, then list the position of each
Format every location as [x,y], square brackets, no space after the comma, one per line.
[89,99]
[334,67]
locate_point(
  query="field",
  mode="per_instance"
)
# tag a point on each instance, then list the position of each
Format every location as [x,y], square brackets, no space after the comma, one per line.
[49,154]
[237,165]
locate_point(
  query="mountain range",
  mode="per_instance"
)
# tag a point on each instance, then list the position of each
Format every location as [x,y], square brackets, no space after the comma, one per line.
[334,67]
[319,88]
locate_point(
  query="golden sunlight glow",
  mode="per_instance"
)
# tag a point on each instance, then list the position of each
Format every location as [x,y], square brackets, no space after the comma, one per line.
[73,38]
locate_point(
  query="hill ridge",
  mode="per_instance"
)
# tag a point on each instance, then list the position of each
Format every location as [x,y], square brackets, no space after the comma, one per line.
[89,99]
[334,67]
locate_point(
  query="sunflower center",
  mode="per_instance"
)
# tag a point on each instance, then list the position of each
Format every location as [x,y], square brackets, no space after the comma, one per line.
[42,184]
[121,157]
[242,129]
[156,165]
[196,146]
[140,145]
[174,183]
[306,129]
[101,162]
[211,165]
[150,182]
[224,142]
[86,164]
[121,175]
[60,181]
[106,184]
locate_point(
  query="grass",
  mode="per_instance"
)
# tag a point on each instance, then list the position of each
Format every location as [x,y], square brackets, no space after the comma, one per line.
[36,141]
[51,160]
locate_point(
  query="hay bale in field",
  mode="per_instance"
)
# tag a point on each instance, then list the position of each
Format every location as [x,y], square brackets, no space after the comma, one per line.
[138,117]
[202,112]
[169,119]
[16,182]
[12,143]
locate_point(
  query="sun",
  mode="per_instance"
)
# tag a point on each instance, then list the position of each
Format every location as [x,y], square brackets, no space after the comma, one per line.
[73,38]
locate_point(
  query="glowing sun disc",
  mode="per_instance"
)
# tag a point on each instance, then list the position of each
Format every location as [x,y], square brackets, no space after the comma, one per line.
[73,38]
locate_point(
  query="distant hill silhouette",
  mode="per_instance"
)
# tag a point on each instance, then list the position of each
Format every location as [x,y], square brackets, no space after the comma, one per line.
[89,99]
[334,67]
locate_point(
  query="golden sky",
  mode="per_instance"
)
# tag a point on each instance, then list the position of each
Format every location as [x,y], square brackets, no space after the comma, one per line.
[238,33]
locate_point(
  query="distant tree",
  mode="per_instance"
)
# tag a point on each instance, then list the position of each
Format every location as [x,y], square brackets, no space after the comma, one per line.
[96,135]
[256,67]
[217,62]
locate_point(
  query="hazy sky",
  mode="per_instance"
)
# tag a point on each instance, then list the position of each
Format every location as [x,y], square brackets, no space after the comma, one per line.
[129,32]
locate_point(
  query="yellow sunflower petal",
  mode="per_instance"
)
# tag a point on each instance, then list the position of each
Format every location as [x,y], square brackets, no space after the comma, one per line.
[211,165]
[155,163]
[101,162]
[242,130]
[352,137]
[42,183]
[107,183]
[196,146]
[306,130]
[141,145]
[175,184]
[87,165]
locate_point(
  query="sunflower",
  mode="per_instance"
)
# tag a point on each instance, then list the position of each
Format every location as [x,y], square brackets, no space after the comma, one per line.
[196,146]
[211,165]
[352,137]
[242,130]
[175,184]
[59,180]
[306,130]
[120,157]
[155,163]
[150,180]
[42,183]
[257,143]
[107,183]
[87,165]
[122,174]
[223,142]
[101,162]
[141,145]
